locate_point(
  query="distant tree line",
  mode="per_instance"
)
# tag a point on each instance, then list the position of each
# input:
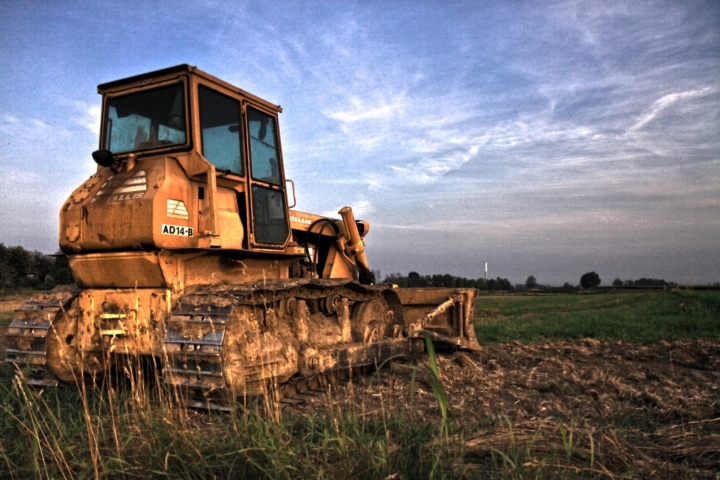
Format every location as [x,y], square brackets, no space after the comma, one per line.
[531,283]
[641,282]
[20,268]
[414,279]
[591,280]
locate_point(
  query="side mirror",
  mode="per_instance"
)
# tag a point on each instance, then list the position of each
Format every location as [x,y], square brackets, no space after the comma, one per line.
[104,158]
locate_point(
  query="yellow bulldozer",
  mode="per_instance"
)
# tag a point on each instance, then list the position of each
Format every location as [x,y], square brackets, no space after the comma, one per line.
[184,249]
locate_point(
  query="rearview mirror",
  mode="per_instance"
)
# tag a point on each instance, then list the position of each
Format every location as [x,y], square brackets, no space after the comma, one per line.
[104,158]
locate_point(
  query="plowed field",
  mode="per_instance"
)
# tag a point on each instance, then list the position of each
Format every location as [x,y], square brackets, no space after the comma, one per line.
[608,408]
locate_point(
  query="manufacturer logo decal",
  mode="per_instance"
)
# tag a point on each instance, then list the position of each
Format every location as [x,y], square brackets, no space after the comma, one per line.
[176,209]
[306,221]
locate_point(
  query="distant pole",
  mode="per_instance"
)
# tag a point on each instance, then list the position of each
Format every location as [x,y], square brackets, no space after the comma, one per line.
[486,271]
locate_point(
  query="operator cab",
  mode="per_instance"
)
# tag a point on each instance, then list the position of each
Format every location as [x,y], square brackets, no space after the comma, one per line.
[222,137]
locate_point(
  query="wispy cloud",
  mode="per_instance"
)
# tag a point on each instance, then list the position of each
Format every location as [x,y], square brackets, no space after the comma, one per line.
[428,170]
[22,128]
[665,102]
[18,177]
[361,111]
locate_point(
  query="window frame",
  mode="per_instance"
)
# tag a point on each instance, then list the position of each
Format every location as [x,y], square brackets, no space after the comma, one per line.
[263,184]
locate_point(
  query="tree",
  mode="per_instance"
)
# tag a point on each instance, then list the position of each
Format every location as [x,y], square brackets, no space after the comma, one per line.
[499,284]
[5,271]
[530,282]
[60,272]
[650,282]
[617,283]
[396,279]
[504,284]
[590,280]
[15,264]
[21,268]
[416,280]
[41,265]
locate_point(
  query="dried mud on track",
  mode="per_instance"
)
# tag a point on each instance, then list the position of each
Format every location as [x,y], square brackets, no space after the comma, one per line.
[651,411]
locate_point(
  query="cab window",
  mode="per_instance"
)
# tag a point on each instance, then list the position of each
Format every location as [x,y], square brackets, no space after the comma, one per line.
[263,147]
[269,210]
[145,120]
[220,127]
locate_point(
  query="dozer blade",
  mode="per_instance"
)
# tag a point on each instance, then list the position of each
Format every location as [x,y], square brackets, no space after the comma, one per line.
[445,314]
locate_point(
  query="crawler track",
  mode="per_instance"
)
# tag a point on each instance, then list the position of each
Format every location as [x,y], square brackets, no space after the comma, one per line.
[27,335]
[286,339]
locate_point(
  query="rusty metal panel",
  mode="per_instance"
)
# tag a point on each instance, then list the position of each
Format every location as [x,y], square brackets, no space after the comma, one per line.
[454,322]
[117,270]
[130,321]
[418,302]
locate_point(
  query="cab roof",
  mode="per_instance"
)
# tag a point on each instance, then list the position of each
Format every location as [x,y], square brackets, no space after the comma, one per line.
[181,69]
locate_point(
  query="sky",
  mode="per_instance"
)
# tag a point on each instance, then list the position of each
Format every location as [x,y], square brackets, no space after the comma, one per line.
[546,138]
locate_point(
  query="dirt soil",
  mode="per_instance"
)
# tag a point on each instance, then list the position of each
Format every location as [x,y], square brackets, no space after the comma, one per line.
[12,304]
[648,411]
[635,410]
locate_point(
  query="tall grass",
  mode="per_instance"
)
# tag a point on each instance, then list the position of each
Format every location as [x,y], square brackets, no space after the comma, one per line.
[45,435]
[6,317]
[133,426]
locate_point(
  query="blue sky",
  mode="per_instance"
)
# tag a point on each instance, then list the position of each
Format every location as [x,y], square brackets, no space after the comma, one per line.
[547,138]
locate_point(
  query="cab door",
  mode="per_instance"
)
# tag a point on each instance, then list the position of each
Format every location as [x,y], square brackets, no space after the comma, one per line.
[270,227]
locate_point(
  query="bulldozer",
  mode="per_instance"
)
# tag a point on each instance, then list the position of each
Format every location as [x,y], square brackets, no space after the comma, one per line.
[186,248]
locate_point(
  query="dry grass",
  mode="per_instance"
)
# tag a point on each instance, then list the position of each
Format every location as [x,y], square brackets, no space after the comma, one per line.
[581,407]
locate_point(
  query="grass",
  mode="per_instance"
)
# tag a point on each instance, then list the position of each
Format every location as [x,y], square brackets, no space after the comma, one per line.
[136,429]
[637,317]
[9,298]
[6,317]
